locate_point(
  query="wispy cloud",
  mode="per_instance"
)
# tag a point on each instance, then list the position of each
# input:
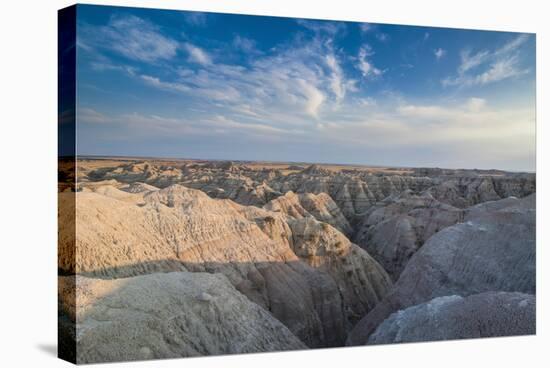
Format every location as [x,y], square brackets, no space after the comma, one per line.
[133,38]
[156,125]
[365,27]
[312,88]
[439,53]
[86,115]
[485,66]
[168,86]
[338,83]
[197,19]
[294,83]
[382,37]
[323,27]
[197,55]
[364,65]
[245,44]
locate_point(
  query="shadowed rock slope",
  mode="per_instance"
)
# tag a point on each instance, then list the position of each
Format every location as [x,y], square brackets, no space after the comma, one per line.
[493,250]
[395,228]
[167,315]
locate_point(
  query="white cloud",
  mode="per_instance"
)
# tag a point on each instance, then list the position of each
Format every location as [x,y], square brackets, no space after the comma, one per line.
[499,70]
[513,44]
[382,37]
[169,86]
[322,26]
[486,67]
[465,134]
[367,101]
[469,61]
[364,65]
[132,37]
[288,86]
[338,83]
[313,98]
[365,27]
[107,65]
[245,44]
[86,115]
[197,55]
[439,53]
[475,104]
[197,19]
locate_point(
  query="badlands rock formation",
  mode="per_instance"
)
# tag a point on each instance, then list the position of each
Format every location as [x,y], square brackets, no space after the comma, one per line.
[493,250]
[167,315]
[186,258]
[455,317]
[354,191]
[294,268]
[395,228]
[319,206]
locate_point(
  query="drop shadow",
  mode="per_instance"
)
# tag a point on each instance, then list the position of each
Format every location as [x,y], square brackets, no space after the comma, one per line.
[49,349]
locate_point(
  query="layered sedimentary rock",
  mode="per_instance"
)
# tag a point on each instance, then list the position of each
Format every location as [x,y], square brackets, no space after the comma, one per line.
[354,191]
[167,315]
[179,229]
[487,314]
[466,191]
[493,250]
[309,246]
[362,282]
[394,229]
[320,206]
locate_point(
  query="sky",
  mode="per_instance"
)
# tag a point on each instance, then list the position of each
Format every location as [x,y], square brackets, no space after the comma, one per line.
[161,83]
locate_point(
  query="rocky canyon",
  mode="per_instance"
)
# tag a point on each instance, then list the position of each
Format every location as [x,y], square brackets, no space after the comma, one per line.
[175,258]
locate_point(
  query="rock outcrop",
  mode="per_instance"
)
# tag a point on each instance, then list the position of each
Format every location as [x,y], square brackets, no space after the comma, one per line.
[395,228]
[320,206]
[189,257]
[465,191]
[487,314]
[167,315]
[491,251]
[362,282]
[179,229]
[354,191]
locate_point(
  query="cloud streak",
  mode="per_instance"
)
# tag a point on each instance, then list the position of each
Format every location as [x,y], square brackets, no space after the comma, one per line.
[485,67]
[364,65]
[439,53]
[133,38]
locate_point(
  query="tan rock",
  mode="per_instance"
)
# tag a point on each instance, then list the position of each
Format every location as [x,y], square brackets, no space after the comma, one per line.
[167,315]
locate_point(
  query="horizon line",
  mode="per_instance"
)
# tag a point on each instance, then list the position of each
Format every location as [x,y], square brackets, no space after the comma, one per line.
[78,156]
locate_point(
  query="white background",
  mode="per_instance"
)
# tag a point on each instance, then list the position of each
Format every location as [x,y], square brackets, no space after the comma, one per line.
[28,144]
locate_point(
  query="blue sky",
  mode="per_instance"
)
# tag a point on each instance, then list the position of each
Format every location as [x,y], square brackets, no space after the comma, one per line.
[219,86]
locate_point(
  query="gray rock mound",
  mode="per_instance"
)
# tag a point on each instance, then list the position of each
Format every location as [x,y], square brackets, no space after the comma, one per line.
[487,314]
[493,251]
[394,229]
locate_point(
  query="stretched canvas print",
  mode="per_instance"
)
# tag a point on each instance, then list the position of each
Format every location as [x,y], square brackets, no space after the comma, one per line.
[235,184]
